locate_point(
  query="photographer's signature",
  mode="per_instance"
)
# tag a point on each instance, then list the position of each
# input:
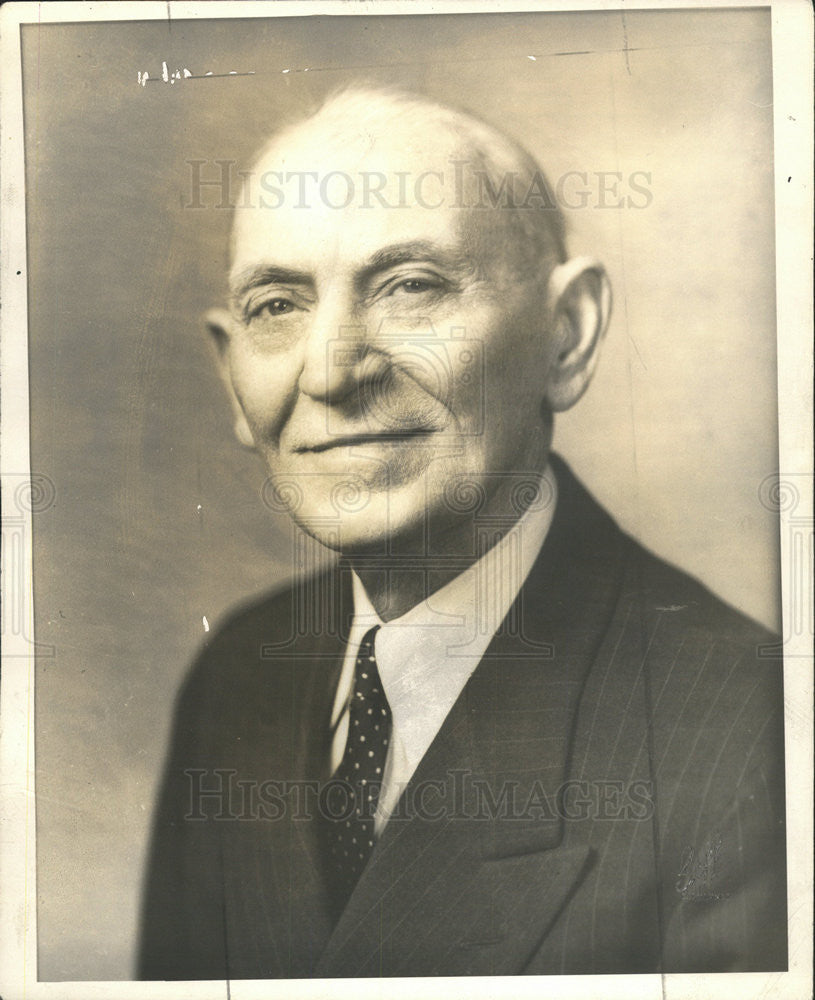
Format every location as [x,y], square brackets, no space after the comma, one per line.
[696,880]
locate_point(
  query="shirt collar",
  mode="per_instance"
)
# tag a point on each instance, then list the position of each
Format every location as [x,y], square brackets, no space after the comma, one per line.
[425,656]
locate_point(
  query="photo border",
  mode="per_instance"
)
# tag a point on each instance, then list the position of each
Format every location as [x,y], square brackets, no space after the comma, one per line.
[793,116]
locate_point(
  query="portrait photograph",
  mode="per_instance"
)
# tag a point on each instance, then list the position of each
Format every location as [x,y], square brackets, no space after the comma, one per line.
[407,500]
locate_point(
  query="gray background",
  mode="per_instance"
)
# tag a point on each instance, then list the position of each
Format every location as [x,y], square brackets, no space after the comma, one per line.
[158,518]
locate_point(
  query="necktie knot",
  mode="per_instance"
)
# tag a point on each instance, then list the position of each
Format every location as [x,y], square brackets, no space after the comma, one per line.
[369,711]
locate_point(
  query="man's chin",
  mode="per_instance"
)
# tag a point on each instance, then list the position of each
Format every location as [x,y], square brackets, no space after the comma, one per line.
[364,533]
[346,539]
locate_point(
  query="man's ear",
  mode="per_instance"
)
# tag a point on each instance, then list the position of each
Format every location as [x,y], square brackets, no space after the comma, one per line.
[219,324]
[579,308]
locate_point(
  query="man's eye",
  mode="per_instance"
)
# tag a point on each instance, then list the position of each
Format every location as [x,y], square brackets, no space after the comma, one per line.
[414,286]
[278,307]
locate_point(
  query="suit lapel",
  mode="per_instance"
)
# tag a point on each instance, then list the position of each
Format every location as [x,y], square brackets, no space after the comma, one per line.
[456,885]
[474,867]
[278,919]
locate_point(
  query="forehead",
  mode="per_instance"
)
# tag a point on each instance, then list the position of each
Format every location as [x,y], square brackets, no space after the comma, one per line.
[336,195]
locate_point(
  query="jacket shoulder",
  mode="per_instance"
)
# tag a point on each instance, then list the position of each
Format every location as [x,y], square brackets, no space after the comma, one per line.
[697,689]
[665,590]
[260,649]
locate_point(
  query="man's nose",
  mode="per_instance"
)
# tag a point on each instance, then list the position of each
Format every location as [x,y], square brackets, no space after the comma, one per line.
[334,351]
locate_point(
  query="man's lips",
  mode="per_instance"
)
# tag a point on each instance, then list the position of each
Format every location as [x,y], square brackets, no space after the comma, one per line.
[351,440]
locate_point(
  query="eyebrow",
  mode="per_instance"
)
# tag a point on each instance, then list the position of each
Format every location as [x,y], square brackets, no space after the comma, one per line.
[406,253]
[257,276]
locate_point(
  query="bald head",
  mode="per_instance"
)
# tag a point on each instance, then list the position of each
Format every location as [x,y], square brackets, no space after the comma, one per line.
[373,147]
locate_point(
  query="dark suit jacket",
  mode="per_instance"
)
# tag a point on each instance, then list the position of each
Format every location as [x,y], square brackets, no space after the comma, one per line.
[606,795]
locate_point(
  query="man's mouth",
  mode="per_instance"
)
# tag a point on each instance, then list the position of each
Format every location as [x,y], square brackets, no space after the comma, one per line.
[357,440]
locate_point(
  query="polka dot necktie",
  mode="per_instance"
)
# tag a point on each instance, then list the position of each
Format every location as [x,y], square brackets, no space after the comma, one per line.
[351,827]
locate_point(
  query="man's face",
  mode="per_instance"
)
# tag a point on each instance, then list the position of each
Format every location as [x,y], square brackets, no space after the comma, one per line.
[390,356]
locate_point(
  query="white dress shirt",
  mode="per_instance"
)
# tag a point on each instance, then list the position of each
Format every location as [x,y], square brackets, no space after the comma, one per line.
[426,656]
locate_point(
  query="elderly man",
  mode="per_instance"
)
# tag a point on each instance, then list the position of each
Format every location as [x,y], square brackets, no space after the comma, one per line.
[498,737]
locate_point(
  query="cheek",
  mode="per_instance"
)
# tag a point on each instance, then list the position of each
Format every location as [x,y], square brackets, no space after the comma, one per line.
[517,361]
[265,388]
[500,375]
[515,377]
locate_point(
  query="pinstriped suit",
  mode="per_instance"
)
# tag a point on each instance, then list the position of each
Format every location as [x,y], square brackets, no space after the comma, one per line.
[606,795]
